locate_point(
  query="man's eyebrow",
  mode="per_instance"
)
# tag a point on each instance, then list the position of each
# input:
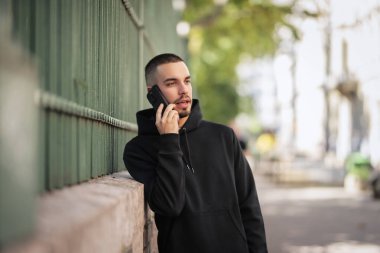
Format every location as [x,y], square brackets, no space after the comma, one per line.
[170,79]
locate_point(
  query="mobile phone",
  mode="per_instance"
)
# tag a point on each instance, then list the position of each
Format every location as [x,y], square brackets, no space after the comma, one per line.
[155,97]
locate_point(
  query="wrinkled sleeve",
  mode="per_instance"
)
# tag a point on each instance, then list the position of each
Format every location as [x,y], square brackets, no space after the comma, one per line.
[163,179]
[249,203]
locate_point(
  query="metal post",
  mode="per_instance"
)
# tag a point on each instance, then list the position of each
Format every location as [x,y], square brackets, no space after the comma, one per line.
[141,58]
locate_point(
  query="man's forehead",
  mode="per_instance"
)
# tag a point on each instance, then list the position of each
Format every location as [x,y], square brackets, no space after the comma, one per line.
[172,67]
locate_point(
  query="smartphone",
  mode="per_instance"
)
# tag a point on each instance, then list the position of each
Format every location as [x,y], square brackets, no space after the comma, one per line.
[155,97]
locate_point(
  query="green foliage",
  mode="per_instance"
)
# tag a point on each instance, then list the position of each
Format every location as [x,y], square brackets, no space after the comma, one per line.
[218,37]
[359,165]
[220,100]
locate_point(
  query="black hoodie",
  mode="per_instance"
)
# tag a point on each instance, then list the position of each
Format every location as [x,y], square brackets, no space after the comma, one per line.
[199,185]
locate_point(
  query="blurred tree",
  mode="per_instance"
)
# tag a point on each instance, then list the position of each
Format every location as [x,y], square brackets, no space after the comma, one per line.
[221,32]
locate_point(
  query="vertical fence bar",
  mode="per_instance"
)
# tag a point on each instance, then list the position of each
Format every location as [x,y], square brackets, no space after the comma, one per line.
[141,58]
[40,42]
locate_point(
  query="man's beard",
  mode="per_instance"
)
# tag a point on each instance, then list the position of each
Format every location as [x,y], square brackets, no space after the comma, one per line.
[184,114]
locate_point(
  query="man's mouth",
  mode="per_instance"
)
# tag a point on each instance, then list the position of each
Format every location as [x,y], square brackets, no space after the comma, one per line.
[183,103]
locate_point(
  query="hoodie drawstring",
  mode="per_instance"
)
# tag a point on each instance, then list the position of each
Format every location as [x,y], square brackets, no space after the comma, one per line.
[188,163]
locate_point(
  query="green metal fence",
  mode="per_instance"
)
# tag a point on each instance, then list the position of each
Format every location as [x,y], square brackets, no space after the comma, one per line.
[90,56]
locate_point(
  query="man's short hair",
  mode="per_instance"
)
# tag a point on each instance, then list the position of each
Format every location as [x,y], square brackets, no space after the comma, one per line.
[160,59]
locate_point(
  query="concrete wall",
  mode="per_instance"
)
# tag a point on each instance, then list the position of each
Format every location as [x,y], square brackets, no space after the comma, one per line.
[103,215]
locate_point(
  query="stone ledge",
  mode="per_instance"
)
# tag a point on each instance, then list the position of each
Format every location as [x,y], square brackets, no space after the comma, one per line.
[102,215]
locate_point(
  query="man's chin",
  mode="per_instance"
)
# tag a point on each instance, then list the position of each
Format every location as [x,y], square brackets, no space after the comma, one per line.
[183,114]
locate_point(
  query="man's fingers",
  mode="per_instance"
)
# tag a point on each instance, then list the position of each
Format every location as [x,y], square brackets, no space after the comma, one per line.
[162,117]
[159,112]
[168,121]
[168,109]
[173,114]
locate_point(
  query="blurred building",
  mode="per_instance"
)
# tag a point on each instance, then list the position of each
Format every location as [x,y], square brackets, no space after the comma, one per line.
[328,83]
[355,75]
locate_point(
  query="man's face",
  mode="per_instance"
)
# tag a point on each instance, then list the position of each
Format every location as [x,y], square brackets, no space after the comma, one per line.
[174,81]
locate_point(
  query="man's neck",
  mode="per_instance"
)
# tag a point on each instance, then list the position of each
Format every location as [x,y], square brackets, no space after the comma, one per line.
[182,121]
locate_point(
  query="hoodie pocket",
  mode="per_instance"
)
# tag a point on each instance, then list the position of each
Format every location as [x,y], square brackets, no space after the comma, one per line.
[214,231]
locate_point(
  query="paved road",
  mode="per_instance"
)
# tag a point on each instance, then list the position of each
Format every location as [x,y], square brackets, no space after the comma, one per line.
[318,219]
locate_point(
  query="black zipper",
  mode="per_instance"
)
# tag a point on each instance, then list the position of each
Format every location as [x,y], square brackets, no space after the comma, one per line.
[188,163]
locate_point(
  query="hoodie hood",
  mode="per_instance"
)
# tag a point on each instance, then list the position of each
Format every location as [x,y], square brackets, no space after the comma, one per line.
[146,120]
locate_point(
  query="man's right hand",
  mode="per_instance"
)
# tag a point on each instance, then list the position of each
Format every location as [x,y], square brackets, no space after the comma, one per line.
[167,122]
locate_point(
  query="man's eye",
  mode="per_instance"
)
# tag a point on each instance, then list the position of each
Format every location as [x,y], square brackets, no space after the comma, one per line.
[170,84]
[188,82]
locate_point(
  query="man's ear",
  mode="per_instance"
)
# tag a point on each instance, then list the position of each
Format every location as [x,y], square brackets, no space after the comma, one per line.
[148,88]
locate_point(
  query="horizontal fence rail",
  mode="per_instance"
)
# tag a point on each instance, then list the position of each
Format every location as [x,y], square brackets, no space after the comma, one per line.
[131,12]
[52,102]
[139,25]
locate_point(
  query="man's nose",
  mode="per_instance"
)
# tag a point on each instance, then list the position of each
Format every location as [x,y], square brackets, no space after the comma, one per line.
[183,88]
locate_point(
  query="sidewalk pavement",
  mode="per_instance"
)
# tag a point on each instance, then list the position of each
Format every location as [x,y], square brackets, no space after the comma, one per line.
[318,219]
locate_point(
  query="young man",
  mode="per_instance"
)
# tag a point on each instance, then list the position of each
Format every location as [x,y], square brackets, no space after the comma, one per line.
[196,178]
